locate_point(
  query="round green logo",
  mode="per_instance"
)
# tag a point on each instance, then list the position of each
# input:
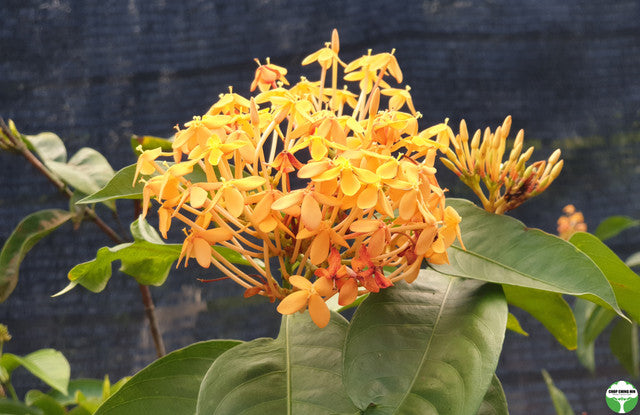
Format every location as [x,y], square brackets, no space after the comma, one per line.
[622,397]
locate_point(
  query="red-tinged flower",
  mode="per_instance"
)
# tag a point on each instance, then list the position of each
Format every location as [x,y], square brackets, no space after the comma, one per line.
[267,75]
[311,296]
[286,162]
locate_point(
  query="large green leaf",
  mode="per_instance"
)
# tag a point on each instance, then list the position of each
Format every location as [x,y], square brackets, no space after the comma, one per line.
[169,385]
[299,372]
[613,225]
[45,402]
[503,250]
[548,308]
[625,282]
[560,401]
[495,401]
[624,345]
[591,320]
[119,187]
[87,171]
[48,146]
[430,347]
[48,365]
[91,388]
[28,232]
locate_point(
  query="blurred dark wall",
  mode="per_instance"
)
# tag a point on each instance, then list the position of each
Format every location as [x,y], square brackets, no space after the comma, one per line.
[96,72]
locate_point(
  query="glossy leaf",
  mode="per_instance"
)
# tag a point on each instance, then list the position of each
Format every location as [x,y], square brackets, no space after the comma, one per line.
[48,365]
[47,146]
[625,282]
[148,263]
[495,401]
[299,372]
[28,232]
[633,260]
[624,346]
[613,225]
[169,385]
[119,187]
[87,171]
[560,401]
[548,308]
[501,249]
[591,320]
[427,347]
[514,325]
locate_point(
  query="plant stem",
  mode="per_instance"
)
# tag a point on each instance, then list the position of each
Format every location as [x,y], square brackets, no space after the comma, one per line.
[149,308]
[8,386]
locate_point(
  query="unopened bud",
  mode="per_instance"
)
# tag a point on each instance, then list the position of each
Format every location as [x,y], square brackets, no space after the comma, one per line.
[448,164]
[506,127]
[335,41]
[555,172]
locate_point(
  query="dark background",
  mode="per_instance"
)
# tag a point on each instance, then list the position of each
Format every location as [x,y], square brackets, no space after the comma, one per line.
[96,72]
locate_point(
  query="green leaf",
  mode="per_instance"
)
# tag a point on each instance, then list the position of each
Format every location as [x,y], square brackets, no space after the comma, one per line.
[149,142]
[624,346]
[87,171]
[28,232]
[427,347]
[48,365]
[169,385]
[625,282]
[91,388]
[119,187]
[591,320]
[560,402]
[11,407]
[613,225]
[299,372]
[495,401]
[47,146]
[501,249]
[548,308]
[142,231]
[45,402]
[514,325]
[148,263]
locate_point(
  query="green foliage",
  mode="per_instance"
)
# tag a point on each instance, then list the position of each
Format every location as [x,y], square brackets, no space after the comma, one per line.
[298,372]
[502,250]
[119,187]
[170,385]
[149,142]
[495,401]
[625,282]
[28,232]
[560,401]
[614,225]
[591,320]
[624,345]
[48,365]
[514,325]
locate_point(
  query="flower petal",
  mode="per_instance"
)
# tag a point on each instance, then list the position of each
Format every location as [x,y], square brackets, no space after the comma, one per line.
[348,183]
[198,196]
[310,213]
[233,200]
[293,302]
[348,292]
[320,248]
[202,252]
[300,282]
[319,311]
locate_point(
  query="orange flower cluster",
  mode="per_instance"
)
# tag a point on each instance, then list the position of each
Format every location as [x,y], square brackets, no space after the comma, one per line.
[319,182]
[571,222]
[509,183]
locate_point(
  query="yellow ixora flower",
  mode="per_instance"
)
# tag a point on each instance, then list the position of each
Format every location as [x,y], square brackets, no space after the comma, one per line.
[319,179]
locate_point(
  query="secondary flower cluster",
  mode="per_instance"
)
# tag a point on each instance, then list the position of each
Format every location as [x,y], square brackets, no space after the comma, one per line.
[337,192]
[570,222]
[509,183]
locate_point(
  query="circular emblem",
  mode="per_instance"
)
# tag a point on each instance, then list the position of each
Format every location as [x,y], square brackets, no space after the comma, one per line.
[621,397]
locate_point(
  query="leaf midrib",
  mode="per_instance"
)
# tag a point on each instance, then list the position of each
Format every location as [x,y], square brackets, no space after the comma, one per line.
[427,349]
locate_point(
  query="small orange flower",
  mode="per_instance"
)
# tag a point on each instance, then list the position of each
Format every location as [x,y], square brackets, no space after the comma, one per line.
[267,75]
[310,295]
